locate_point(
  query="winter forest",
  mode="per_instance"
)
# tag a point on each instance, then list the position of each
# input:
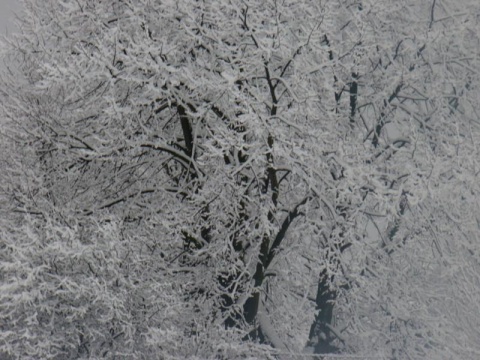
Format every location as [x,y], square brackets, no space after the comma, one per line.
[241,179]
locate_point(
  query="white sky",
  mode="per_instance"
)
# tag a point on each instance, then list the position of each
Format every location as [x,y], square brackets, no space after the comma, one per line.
[6,14]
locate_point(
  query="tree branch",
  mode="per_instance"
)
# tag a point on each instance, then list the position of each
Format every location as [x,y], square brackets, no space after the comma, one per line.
[292,215]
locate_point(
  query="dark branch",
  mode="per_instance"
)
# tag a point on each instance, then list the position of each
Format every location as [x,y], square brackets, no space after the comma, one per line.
[187,130]
[292,215]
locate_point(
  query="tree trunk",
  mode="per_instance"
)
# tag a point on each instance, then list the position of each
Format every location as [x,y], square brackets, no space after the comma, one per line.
[321,337]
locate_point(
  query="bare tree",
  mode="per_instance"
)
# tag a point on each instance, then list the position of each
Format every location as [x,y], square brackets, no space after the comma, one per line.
[230,179]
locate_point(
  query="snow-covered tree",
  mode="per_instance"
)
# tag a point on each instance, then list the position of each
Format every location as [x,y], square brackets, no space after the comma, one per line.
[241,179]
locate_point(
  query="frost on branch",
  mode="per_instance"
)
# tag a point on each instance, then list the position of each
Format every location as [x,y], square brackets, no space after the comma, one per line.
[240,179]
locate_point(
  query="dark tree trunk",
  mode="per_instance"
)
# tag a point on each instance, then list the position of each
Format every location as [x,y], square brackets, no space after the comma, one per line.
[321,337]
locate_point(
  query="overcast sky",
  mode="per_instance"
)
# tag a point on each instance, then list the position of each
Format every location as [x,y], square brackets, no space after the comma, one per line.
[6,14]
